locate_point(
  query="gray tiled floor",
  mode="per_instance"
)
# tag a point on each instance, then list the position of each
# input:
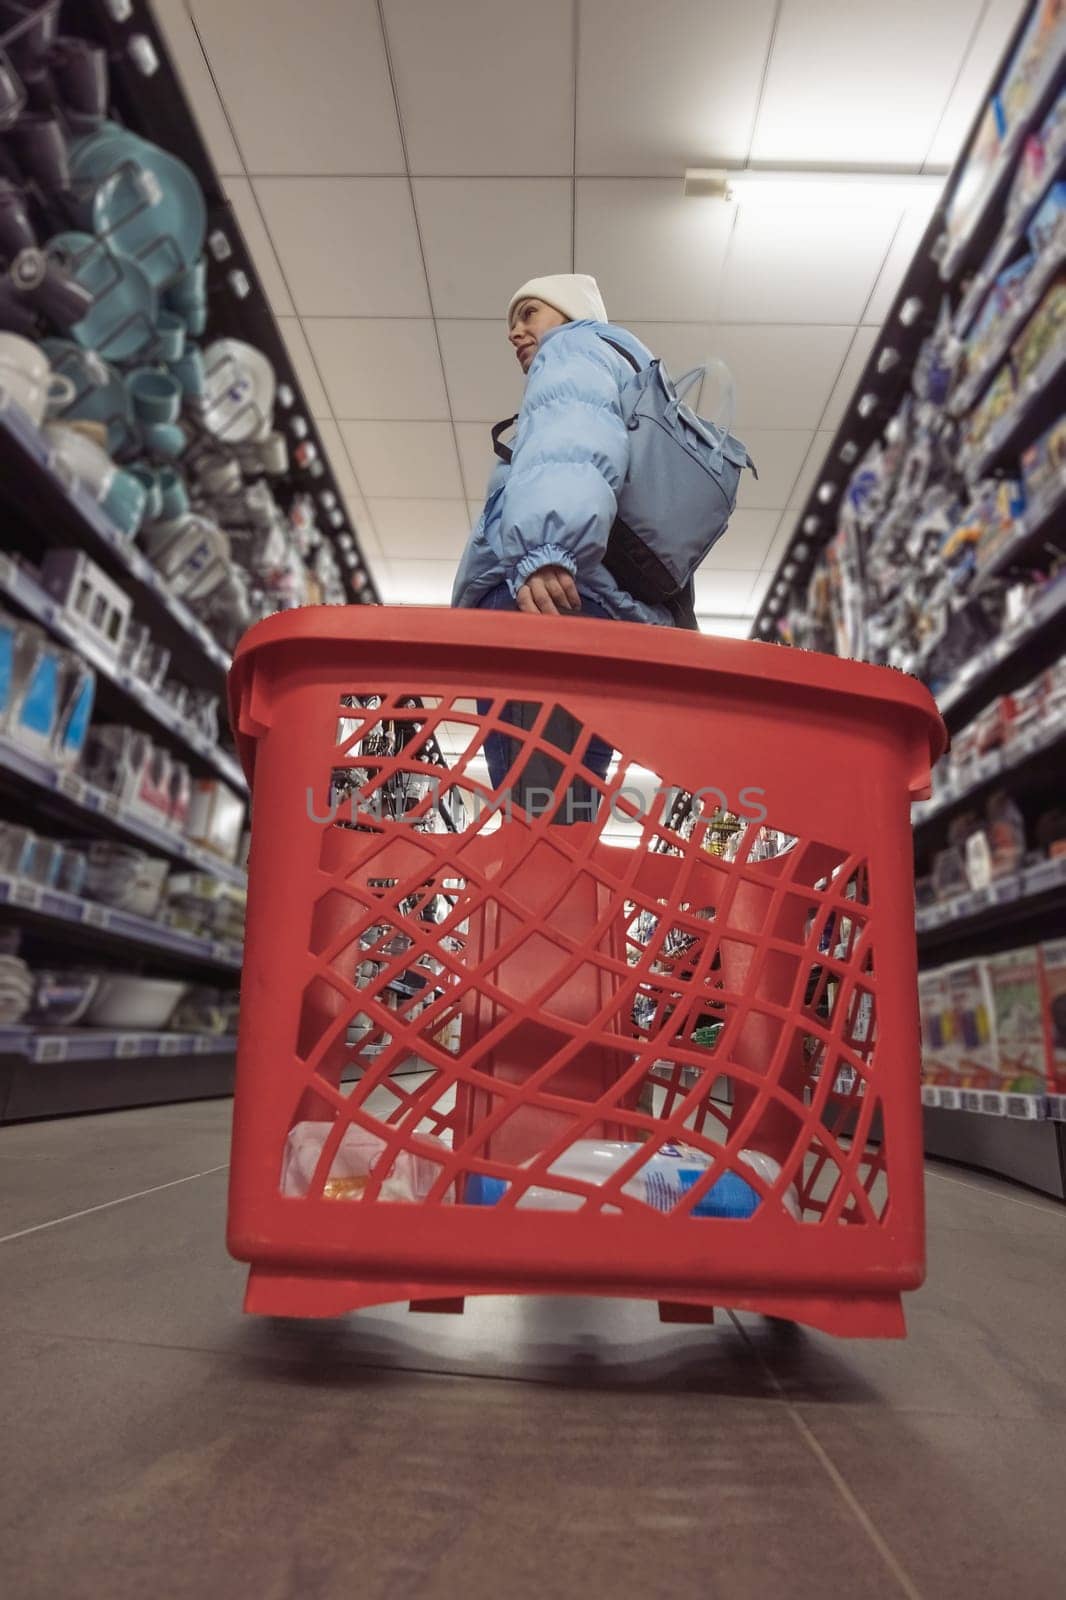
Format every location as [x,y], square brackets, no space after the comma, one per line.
[157,1442]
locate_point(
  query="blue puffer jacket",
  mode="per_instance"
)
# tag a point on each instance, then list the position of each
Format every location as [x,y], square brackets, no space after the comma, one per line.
[554,505]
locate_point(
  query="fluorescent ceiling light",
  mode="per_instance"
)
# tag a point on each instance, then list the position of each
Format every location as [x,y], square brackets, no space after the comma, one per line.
[764,186]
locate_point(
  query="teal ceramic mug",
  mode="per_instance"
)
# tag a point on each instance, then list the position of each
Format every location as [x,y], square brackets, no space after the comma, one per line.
[156,396]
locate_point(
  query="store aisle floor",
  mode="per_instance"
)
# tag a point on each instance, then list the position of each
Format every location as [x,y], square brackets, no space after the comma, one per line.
[159,1443]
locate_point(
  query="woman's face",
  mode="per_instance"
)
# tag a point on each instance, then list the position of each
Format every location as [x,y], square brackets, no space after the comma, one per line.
[530,320]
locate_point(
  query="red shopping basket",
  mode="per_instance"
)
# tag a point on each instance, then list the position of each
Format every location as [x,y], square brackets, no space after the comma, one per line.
[700,939]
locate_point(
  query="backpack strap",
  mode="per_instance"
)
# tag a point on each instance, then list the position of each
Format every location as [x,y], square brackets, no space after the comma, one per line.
[621,351]
[504,451]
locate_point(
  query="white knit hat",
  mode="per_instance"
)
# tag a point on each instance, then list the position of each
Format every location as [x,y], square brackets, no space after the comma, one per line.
[575,294]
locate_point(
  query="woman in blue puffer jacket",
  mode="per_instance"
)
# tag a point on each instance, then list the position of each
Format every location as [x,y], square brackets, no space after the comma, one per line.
[540,542]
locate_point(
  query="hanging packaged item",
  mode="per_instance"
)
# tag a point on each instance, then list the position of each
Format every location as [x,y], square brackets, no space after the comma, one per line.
[37,676]
[91,601]
[77,695]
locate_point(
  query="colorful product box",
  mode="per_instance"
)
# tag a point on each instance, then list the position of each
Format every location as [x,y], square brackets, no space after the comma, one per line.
[1017,999]
[936,1053]
[1053,964]
[971,1022]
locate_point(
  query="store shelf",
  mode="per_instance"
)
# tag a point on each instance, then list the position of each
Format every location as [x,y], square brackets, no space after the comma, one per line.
[1000,175]
[56,907]
[1036,406]
[1034,888]
[71,514]
[987,1102]
[992,768]
[108,1044]
[23,588]
[1002,251]
[1041,522]
[974,385]
[90,804]
[979,680]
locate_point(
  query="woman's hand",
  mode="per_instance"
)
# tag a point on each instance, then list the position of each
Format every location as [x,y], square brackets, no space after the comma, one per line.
[551,591]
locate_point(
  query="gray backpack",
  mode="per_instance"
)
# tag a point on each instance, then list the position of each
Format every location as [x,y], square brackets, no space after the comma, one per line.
[679,493]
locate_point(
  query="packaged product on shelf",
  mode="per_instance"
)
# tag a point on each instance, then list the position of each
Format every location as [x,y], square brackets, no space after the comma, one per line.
[1006,835]
[77,696]
[1042,335]
[92,602]
[1040,43]
[16,849]
[1053,996]
[407,1178]
[1044,464]
[180,795]
[1015,982]
[949,872]
[152,795]
[938,1057]
[970,189]
[120,875]
[968,998]
[1047,231]
[216,817]
[37,677]
[998,399]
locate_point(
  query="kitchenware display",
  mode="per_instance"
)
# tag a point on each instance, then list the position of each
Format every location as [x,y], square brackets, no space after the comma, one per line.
[42,865]
[125,502]
[79,69]
[129,1002]
[26,377]
[154,662]
[88,461]
[189,367]
[16,849]
[156,396]
[16,989]
[16,231]
[121,324]
[239,389]
[148,478]
[12,94]
[220,476]
[187,295]
[61,998]
[41,150]
[138,638]
[171,334]
[204,1010]
[122,876]
[73,870]
[165,440]
[173,495]
[30,31]
[91,600]
[77,695]
[274,454]
[100,394]
[36,669]
[143,200]
[47,288]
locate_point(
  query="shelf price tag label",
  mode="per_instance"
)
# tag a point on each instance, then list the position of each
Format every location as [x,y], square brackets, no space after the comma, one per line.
[970,1100]
[24,893]
[1026,1106]
[95,915]
[129,1044]
[949,1099]
[170,1044]
[46,1049]
[73,787]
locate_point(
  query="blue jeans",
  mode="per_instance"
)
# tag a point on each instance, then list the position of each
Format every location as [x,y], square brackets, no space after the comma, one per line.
[538,774]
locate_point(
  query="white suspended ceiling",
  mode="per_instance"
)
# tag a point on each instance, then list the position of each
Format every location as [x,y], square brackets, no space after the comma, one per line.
[399,166]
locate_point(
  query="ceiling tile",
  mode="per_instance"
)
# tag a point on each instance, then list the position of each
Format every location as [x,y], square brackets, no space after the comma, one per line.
[811,469]
[304,366]
[419,583]
[404,460]
[809,264]
[863,83]
[184,49]
[847,382]
[379,368]
[998,22]
[522,229]
[680,345]
[476,458]
[783,375]
[723,593]
[657,255]
[242,198]
[743,546]
[484,379]
[901,253]
[306,86]
[778,455]
[348,246]
[422,530]
[354,503]
[483,87]
[669,86]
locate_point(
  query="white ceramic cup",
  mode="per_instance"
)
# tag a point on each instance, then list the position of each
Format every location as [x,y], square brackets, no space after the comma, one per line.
[26,377]
[85,459]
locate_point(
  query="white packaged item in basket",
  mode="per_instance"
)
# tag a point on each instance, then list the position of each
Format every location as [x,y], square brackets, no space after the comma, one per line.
[409,1178]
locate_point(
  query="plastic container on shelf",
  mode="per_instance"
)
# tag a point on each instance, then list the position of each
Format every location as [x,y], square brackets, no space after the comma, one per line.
[546,941]
[134,1002]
